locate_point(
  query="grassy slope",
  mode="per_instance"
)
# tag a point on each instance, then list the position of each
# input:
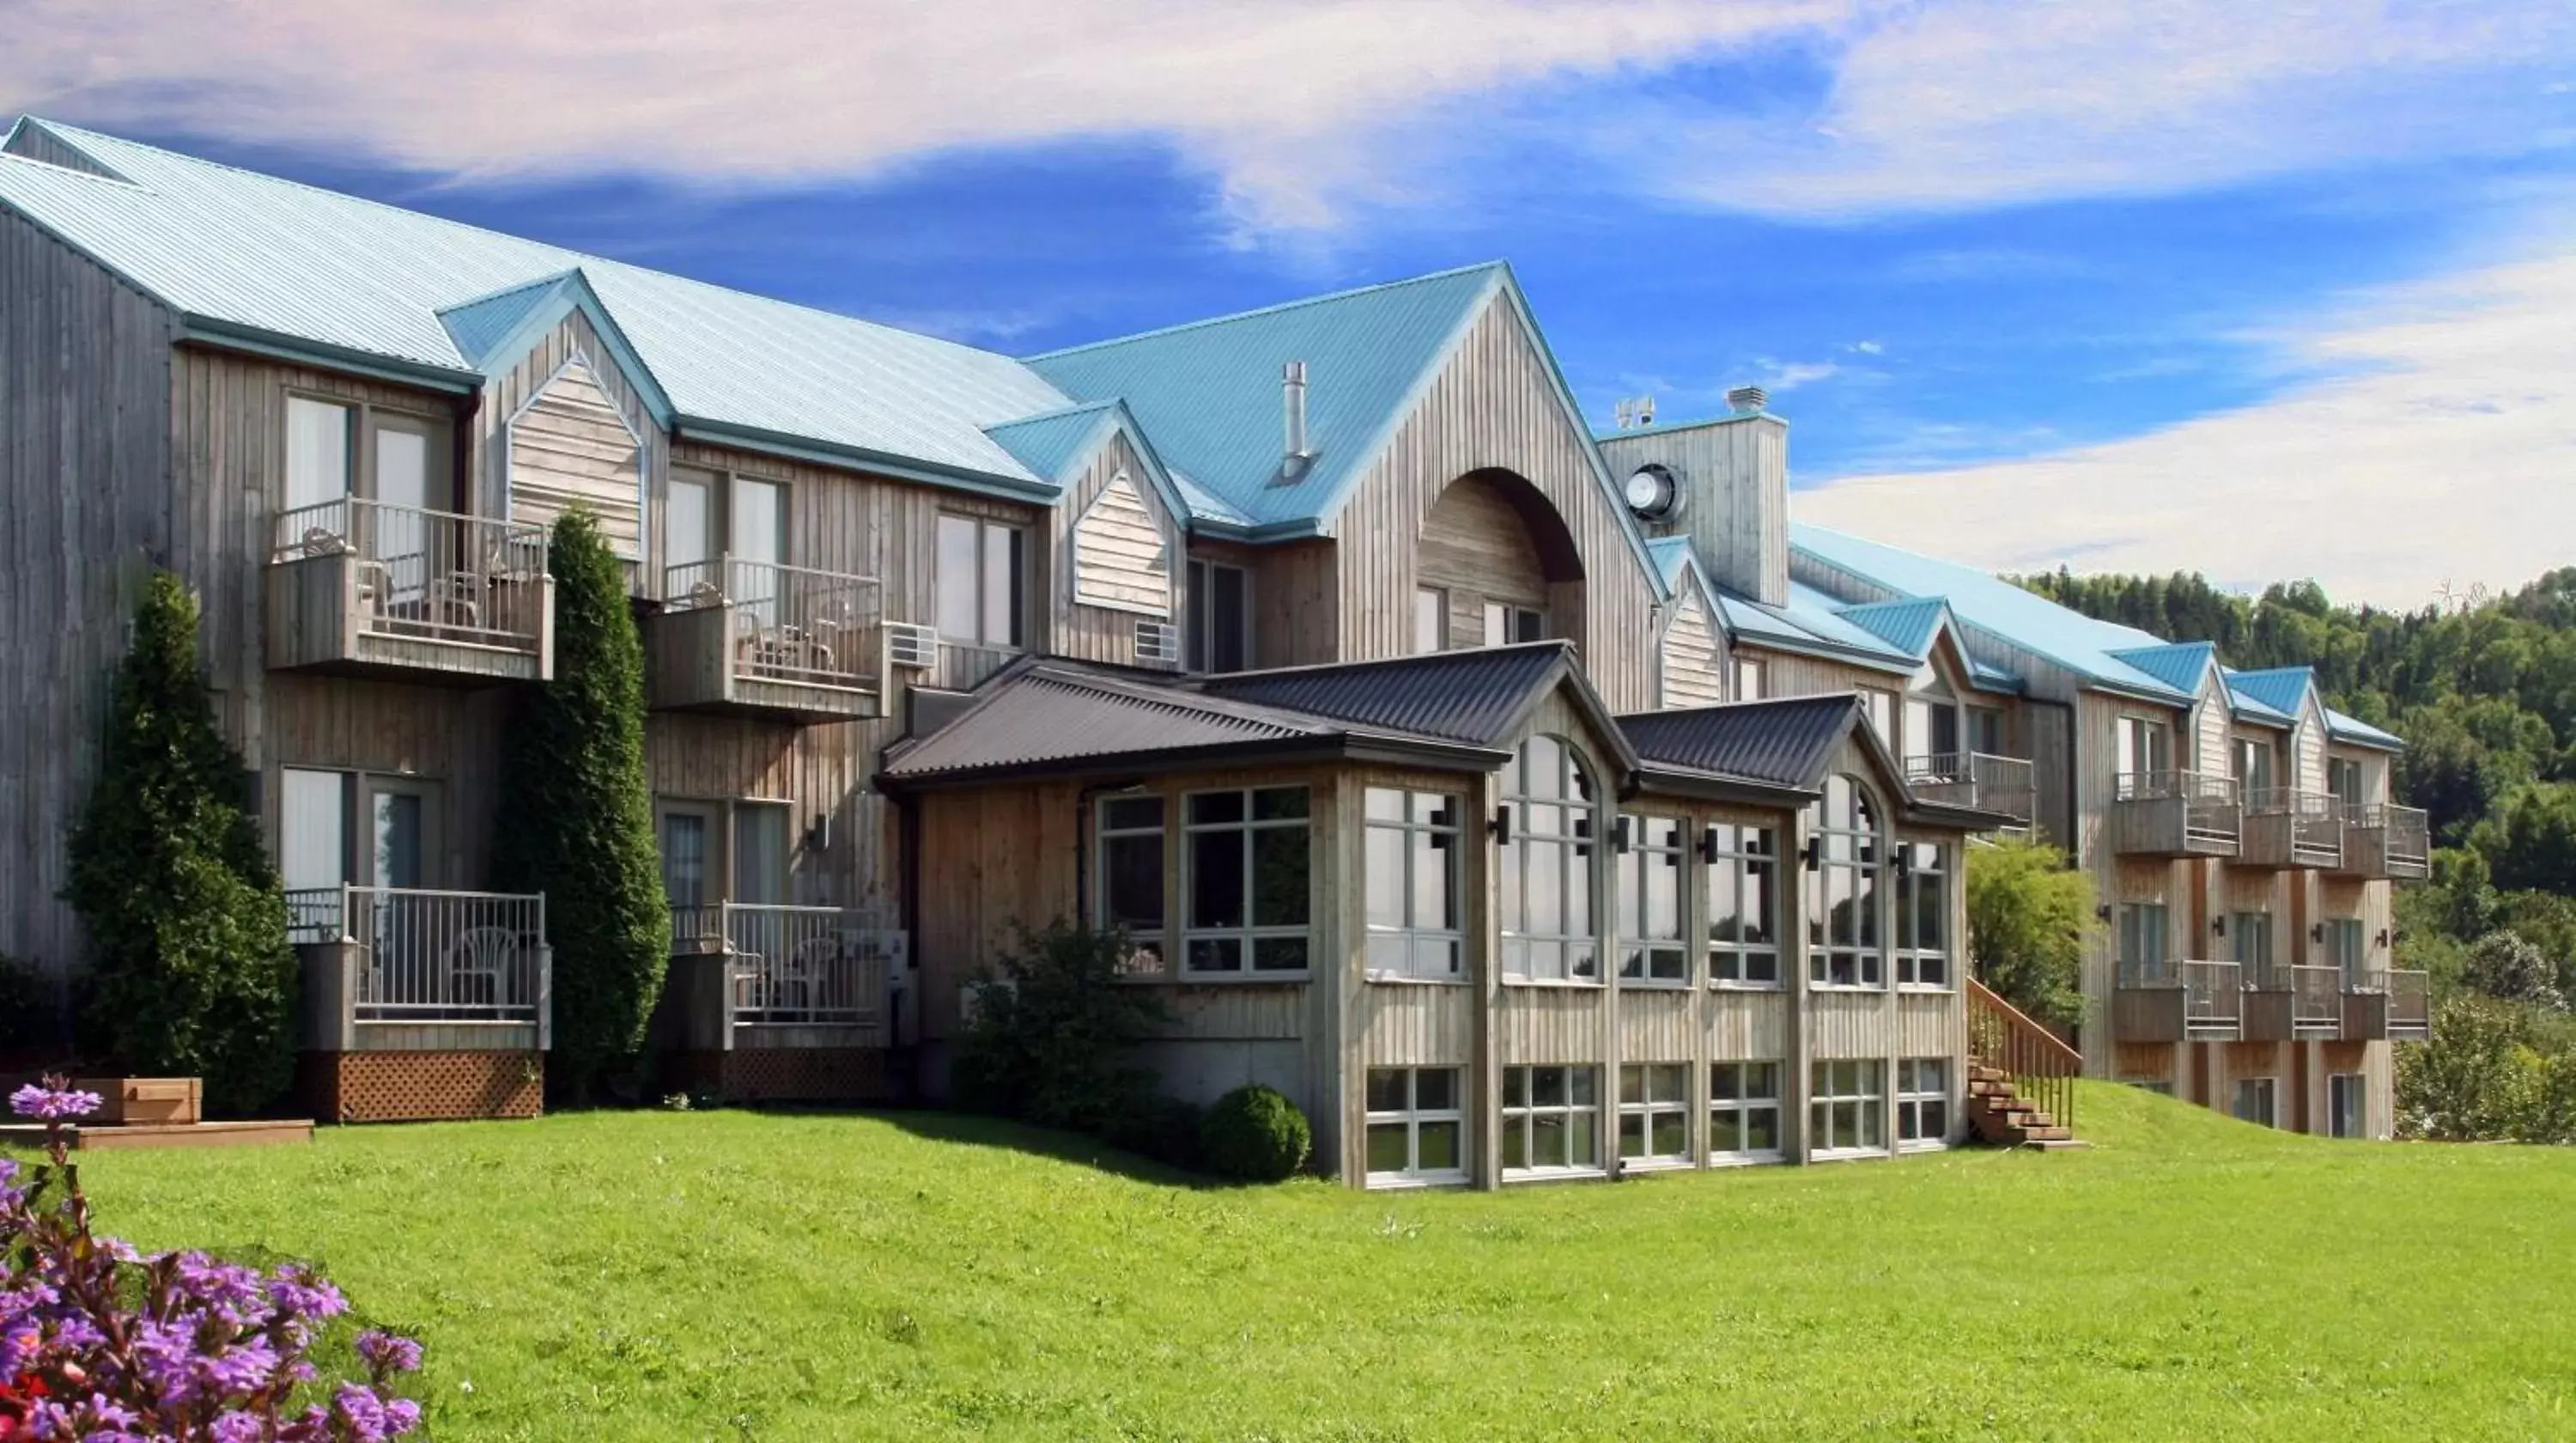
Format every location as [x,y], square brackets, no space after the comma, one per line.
[727,1275]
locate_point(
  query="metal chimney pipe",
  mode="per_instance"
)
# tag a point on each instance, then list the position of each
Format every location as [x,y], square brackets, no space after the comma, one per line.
[1292,401]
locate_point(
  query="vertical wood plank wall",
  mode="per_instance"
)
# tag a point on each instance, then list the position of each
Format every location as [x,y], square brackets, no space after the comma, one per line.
[1692,670]
[1735,470]
[1097,633]
[1476,548]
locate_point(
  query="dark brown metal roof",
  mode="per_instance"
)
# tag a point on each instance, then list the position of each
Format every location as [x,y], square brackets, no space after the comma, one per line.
[1783,743]
[1477,696]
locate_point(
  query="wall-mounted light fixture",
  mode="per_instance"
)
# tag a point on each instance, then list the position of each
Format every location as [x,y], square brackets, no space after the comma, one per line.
[2218,925]
[2316,931]
[1502,826]
[2102,913]
[2382,939]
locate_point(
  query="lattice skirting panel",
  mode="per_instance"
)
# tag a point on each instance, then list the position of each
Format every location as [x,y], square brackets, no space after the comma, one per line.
[786,1074]
[422,1086]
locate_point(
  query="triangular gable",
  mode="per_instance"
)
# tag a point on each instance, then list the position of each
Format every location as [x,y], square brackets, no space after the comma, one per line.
[1121,558]
[1908,625]
[2182,665]
[32,139]
[1059,445]
[493,333]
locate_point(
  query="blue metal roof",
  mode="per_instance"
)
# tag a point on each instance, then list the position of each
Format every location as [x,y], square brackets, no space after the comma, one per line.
[1908,626]
[259,260]
[1052,444]
[2353,729]
[2181,665]
[1989,604]
[1209,392]
[2283,690]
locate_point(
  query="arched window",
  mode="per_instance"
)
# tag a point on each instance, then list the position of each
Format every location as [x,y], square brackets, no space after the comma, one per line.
[1844,855]
[1546,861]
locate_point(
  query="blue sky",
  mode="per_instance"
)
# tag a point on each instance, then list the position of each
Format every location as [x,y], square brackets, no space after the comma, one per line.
[2147,286]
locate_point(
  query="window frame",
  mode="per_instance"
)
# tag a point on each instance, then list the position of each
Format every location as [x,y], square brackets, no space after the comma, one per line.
[1411,1117]
[1918,1103]
[1430,609]
[1742,1106]
[2268,1088]
[1577,862]
[2338,770]
[1199,622]
[1755,668]
[2125,914]
[2355,1087]
[1250,934]
[2132,733]
[1865,840]
[1505,618]
[984,528]
[1866,1098]
[1723,853]
[1630,899]
[1651,1103]
[1144,942]
[2348,949]
[1911,880]
[1524,1117]
[1443,833]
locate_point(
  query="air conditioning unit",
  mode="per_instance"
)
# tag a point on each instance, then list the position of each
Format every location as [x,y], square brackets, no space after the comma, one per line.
[1158,641]
[911,644]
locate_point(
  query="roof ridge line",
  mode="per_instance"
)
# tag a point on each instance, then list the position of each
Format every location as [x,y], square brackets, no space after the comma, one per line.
[1269,310]
[1058,414]
[1556,643]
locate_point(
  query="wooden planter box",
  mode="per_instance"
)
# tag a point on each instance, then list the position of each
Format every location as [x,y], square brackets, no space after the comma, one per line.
[137,1101]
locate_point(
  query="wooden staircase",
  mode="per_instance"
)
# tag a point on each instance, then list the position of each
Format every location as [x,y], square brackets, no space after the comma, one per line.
[2021,1077]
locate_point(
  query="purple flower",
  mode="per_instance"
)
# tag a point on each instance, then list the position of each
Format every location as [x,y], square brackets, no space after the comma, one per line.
[388,1352]
[237,1428]
[47,1104]
[300,1292]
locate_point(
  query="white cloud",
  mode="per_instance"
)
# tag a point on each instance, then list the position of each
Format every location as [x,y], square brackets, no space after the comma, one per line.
[1779,376]
[2443,449]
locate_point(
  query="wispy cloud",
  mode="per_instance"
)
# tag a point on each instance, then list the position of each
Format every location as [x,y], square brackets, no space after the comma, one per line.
[2440,446]
[1783,376]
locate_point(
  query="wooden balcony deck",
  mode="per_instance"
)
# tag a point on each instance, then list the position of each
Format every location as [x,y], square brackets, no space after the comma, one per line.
[2178,1002]
[2293,1004]
[2389,1006]
[2286,828]
[2176,814]
[786,1004]
[358,587]
[2386,843]
[1980,780]
[781,642]
[397,969]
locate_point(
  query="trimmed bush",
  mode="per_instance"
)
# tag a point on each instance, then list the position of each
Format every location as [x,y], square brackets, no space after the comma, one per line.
[1254,1134]
[1163,1128]
[576,818]
[191,973]
[1053,1040]
[2029,914]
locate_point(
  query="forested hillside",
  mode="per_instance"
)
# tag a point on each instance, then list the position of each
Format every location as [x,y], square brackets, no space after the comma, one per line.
[2484,691]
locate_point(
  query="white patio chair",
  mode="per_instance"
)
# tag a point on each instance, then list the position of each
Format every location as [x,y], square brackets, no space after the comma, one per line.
[476,967]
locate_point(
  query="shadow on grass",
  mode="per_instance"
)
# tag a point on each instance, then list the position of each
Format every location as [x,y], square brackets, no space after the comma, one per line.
[974,1130]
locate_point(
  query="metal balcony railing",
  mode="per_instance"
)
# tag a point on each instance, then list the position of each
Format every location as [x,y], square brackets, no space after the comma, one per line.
[428,574]
[790,623]
[1976,779]
[800,966]
[2308,824]
[2213,992]
[433,956]
[2210,817]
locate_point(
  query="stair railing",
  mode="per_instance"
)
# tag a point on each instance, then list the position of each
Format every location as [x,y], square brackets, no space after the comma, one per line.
[2042,1067]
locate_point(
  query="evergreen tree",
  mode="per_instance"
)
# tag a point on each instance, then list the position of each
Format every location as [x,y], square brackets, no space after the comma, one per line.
[576,817]
[191,968]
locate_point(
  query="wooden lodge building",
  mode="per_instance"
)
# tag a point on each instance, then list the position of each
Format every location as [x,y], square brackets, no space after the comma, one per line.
[1525,802]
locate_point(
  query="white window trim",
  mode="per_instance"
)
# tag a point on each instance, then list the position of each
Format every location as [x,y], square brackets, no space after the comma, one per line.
[1820,955]
[1639,850]
[1019,583]
[2271,1091]
[1903,957]
[1455,831]
[1916,1100]
[1709,948]
[1201,574]
[1249,933]
[1877,1098]
[1602,1142]
[1678,1105]
[1101,835]
[2358,1083]
[1580,854]
[1742,1104]
[1412,1117]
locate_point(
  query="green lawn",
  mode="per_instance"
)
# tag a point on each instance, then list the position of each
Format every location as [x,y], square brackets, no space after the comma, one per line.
[728,1275]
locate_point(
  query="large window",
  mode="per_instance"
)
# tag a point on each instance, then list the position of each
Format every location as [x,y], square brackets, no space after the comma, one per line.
[2343,779]
[1506,624]
[2258,1100]
[2254,764]
[1654,1112]
[2142,937]
[2142,747]
[1842,888]
[1417,1127]
[1743,1110]
[2253,943]
[1430,619]
[1412,884]
[2347,1114]
[320,454]
[1220,617]
[1986,730]
[1651,946]
[1551,1119]
[1922,916]
[1932,730]
[2345,949]
[1246,854]
[1546,862]
[979,581]
[1743,905]
[1131,875]
[1847,1107]
[1922,1100]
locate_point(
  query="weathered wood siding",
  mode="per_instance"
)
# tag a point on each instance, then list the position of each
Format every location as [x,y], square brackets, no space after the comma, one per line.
[85,489]
[1414,1024]
[1477,549]
[571,446]
[1120,554]
[1693,664]
[1117,550]
[517,389]
[1736,473]
[1494,408]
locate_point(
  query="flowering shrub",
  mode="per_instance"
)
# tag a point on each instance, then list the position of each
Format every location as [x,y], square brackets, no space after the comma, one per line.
[100,1344]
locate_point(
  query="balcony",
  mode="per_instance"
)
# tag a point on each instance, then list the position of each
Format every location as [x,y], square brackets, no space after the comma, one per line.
[751,638]
[2286,827]
[2386,843]
[359,587]
[751,977]
[2389,1006]
[398,969]
[2178,1002]
[1980,780]
[2293,1004]
[2175,814]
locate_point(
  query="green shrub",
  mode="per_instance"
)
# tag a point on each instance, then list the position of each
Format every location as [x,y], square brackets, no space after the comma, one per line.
[191,973]
[28,1005]
[1160,1127]
[576,818]
[2029,914]
[1055,1029]
[2477,1079]
[1253,1134]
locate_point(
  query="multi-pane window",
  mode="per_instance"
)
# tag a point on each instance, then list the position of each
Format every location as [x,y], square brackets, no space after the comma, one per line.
[1842,888]
[1131,875]
[1922,916]
[1922,1099]
[979,581]
[2347,1114]
[1412,884]
[2142,746]
[2142,937]
[2345,949]
[1551,1119]
[1220,617]
[1246,854]
[1743,1110]
[1748,679]
[1743,905]
[1546,864]
[1847,1106]
[1506,624]
[1651,946]
[1417,1125]
[2257,1100]
[1654,1112]
[1932,733]
[1430,619]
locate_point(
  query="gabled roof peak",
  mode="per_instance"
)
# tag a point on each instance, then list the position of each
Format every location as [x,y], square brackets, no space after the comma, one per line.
[1276,308]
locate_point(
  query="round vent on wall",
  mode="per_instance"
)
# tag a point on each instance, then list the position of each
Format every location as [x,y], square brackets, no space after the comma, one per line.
[1654,494]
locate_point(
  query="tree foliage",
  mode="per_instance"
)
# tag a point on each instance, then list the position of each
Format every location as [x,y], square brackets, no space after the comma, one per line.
[191,972]
[2504,966]
[2479,1077]
[2029,914]
[1054,1035]
[576,817]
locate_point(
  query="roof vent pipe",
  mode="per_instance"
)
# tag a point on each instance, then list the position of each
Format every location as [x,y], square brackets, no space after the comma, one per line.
[1747,400]
[1292,404]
